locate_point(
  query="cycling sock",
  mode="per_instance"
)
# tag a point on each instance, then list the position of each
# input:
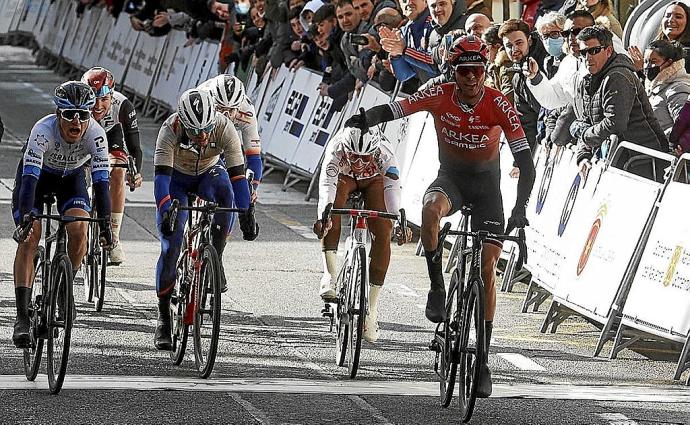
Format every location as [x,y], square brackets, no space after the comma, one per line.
[116,224]
[218,240]
[435,269]
[330,261]
[489,327]
[374,291]
[23,297]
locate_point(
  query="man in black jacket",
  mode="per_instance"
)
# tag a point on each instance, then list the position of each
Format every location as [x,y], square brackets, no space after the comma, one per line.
[615,103]
[521,44]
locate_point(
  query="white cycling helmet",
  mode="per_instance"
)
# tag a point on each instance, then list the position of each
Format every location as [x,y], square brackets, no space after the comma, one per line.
[227,90]
[362,143]
[196,109]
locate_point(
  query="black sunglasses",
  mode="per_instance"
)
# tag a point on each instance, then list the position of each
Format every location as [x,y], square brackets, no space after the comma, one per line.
[572,31]
[592,51]
[69,114]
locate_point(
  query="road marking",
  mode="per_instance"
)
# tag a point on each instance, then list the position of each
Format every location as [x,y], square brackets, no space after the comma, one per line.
[616,419]
[406,291]
[282,218]
[258,414]
[521,362]
[371,409]
[621,393]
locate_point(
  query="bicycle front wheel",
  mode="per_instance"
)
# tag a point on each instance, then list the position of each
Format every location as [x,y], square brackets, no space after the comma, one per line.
[341,314]
[471,346]
[178,307]
[448,356]
[60,318]
[99,283]
[357,309]
[207,312]
[90,263]
[32,355]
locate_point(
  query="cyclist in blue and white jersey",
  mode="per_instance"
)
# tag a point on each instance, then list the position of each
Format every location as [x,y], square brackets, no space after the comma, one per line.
[59,147]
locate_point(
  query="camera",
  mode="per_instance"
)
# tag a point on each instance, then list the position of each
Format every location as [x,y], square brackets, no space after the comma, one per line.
[359,40]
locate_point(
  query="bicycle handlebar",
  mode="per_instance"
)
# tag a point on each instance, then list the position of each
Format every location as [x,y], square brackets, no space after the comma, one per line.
[22,232]
[480,236]
[329,211]
[131,168]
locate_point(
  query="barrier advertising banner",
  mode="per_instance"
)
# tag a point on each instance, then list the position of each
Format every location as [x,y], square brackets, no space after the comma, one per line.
[605,235]
[99,34]
[29,18]
[7,12]
[659,298]
[144,63]
[82,34]
[177,62]
[320,127]
[119,46]
[272,106]
[294,116]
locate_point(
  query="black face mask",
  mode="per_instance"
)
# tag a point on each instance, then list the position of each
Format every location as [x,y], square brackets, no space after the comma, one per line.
[651,72]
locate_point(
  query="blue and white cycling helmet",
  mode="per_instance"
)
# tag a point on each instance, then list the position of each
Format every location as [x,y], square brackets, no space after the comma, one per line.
[74,95]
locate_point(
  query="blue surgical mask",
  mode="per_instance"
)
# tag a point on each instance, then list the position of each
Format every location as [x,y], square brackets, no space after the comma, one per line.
[241,8]
[555,46]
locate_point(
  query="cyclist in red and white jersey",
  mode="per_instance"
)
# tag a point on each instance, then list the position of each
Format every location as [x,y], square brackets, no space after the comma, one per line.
[116,114]
[469,119]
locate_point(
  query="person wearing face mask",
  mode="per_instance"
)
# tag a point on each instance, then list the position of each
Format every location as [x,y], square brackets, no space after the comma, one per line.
[666,81]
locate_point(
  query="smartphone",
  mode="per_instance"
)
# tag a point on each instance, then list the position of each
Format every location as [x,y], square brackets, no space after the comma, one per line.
[359,40]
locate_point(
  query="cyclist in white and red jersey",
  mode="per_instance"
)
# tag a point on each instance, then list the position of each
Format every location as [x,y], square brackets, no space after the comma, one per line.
[469,118]
[116,114]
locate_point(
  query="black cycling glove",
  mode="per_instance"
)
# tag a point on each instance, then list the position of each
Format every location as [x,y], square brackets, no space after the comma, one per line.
[248,224]
[518,218]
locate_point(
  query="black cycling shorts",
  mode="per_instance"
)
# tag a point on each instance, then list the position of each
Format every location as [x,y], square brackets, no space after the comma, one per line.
[480,190]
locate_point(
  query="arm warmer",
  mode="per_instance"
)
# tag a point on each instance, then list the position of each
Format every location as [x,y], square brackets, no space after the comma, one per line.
[379,114]
[255,164]
[130,129]
[27,193]
[240,187]
[524,162]
[161,187]
[101,190]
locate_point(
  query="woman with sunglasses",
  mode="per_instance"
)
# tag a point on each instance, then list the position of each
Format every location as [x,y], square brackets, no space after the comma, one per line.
[469,119]
[116,114]
[187,160]
[231,100]
[59,147]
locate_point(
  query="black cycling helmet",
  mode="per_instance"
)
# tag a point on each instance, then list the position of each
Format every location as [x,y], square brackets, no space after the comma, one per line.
[74,95]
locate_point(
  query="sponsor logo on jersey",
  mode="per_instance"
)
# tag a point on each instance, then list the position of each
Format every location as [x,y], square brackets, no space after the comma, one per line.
[33,154]
[430,92]
[508,110]
[41,140]
[465,140]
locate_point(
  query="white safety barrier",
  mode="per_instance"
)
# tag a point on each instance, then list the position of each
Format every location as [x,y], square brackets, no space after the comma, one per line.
[616,259]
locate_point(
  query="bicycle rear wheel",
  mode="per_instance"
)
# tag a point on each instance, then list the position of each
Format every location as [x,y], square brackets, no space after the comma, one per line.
[207,312]
[100,268]
[448,356]
[341,314]
[471,346]
[60,319]
[178,307]
[357,309]
[32,355]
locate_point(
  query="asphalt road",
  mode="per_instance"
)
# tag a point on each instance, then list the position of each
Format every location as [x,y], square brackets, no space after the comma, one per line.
[276,356]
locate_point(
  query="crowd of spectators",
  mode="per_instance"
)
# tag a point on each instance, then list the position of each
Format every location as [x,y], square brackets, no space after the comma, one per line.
[563,63]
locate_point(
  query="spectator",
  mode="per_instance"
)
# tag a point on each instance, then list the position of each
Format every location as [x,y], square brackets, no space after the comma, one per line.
[498,59]
[380,69]
[351,23]
[307,16]
[520,44]
[408,55]
[477,23]
[680,135]
[338,82]
[666,81]
[447,16]
[603,14]
[365,8]
[615,103]
[674,27]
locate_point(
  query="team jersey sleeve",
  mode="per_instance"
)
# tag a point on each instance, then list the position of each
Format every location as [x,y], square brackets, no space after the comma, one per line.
[130,129]
[328,179]
[100,163]
[509,121]
[230,142]
[248,126]
[35,150]
[164,155]
[427,100]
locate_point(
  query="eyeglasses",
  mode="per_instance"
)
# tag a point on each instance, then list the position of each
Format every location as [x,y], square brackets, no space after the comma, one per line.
[552,34]
[104,91]
[572,31]
[69,114]
[465,70]
[592,51]
[197,132]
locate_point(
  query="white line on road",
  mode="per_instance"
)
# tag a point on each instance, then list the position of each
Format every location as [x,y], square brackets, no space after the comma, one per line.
[622,393]
[258,414]
[521,362]
[616,419]
[406,291]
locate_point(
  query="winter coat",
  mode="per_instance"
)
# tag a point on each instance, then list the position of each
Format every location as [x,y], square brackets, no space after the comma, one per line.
[615,103]
[357,60]
[668,93]
[680,135]
[456,21]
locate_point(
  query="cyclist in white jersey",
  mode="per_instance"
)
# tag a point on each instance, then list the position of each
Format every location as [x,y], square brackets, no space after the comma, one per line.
[231,100]
[116,114]
[59,147]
